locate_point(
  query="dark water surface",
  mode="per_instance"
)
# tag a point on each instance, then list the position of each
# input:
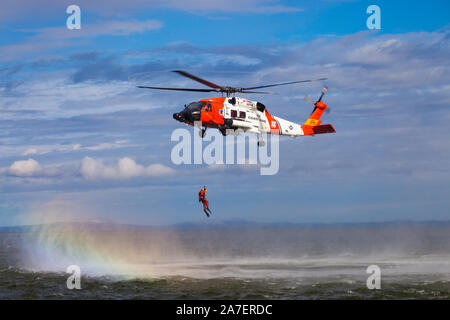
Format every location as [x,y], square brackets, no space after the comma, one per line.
[276,263]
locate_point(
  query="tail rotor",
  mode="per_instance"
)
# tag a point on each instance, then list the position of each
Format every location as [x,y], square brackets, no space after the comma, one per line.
[314,103]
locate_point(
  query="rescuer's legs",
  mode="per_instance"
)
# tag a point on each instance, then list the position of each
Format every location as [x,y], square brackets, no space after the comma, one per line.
[206,202]
[205,207]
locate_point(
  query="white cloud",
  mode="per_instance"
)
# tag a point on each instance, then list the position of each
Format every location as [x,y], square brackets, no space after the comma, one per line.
[11,10]
[115,28]
[107,145]
[30,151]
[59,37]
[93,169]
[25,168]
[59,97]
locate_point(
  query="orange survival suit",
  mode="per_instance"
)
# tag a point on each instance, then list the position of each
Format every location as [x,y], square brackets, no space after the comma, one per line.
[204,201]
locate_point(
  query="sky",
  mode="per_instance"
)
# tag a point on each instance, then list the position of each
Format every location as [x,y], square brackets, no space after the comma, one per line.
[79,140]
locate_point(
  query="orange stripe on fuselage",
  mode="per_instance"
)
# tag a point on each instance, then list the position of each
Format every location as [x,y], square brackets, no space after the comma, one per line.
[274,126]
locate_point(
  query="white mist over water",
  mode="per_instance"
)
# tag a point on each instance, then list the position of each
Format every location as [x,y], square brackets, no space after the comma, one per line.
[304,254]
[315,253]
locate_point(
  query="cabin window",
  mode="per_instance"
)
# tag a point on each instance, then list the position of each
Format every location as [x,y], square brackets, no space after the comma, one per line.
[242,115]
[233,113]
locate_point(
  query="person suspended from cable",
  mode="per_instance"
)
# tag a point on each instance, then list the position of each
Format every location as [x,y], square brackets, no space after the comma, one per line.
[204,201]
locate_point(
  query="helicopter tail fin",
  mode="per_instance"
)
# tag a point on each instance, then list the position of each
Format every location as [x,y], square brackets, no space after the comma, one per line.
[314,118]
[313,125]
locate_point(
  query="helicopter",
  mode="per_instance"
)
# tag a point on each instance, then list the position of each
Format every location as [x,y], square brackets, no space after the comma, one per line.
[228,114]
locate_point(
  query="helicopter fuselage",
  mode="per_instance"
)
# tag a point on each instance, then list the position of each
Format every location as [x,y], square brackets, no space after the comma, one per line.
[234,115]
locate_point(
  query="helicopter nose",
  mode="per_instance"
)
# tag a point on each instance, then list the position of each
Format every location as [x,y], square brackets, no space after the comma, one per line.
[178,116]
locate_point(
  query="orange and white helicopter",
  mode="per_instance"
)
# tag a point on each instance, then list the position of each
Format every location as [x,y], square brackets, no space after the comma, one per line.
[234,113]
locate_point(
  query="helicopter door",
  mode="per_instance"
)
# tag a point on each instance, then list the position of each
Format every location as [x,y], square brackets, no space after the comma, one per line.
[207,108]
[207,115]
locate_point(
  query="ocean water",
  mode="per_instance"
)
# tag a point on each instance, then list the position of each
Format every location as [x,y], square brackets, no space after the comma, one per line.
[242,263]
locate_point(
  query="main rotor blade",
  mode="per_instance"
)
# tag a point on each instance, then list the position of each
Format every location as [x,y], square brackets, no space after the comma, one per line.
[283,84]
[179,89]
[202,81]
[258,92]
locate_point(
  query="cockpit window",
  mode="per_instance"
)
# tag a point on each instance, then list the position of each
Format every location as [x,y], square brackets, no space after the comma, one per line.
[196,106]
[260,106]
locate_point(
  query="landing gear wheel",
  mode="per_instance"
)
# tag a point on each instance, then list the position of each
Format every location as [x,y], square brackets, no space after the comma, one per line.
[202,133]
